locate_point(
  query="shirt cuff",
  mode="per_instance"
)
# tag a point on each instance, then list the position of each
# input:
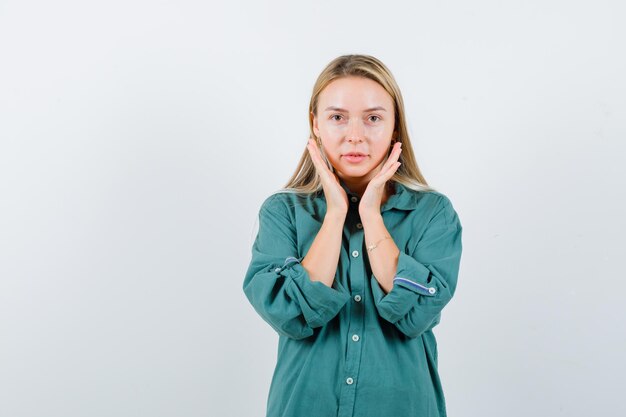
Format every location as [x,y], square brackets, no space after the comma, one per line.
[414,276]
[319,302]
[411,280]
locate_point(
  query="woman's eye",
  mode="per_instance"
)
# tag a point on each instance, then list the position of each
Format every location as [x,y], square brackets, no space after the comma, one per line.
[335,115]
[378,118]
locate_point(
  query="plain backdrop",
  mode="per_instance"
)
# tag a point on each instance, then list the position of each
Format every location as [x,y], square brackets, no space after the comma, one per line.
[139,138]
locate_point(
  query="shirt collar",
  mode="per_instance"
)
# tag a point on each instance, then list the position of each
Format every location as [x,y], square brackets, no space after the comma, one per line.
[402,199]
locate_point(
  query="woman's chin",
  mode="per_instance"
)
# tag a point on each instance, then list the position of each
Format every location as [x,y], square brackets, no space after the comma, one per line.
[355,171]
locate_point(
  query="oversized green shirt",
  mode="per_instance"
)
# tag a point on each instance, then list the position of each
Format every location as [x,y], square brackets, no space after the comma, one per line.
[351,350]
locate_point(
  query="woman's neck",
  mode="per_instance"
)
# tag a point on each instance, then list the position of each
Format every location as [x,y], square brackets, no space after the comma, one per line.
[359,189]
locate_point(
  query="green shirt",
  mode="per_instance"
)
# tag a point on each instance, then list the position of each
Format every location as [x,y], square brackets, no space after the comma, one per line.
[352,350]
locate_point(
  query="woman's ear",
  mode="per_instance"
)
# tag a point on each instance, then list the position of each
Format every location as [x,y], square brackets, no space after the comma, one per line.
[315,128]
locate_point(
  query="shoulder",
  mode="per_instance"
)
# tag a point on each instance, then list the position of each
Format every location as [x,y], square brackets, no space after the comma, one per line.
[436,205]
[443,201]
[279,200]
[275,203]
[446,212]
[282,204]
[428,200]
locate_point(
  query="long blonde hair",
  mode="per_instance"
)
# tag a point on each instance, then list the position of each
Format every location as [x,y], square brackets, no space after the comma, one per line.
[305,179]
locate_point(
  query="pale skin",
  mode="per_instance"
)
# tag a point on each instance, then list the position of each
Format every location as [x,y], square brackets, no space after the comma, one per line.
[348,123]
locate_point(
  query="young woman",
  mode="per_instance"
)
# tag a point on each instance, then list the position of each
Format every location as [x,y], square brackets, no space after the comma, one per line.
[355,259]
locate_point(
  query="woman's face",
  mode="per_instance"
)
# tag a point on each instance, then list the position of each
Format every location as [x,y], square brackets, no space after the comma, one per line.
[355,115]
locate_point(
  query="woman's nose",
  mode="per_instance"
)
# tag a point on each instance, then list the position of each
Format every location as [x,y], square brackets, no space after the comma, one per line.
[355,130]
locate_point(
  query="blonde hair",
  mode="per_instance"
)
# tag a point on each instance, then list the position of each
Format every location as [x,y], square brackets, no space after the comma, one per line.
[305,179]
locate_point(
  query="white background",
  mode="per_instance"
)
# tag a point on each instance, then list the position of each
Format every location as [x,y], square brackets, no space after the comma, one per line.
[139,138]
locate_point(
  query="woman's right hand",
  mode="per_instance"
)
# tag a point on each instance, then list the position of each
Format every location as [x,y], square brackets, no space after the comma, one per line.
[336,197]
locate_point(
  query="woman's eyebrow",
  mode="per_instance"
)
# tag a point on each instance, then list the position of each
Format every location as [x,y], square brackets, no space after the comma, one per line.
[332,108]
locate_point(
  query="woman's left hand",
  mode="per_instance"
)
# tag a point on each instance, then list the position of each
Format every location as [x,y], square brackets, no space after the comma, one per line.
[373,195]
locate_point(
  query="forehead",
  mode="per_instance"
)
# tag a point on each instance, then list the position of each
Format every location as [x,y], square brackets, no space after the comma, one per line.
[354,94]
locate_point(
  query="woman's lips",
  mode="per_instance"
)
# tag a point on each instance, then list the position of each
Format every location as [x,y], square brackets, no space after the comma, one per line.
[355,159]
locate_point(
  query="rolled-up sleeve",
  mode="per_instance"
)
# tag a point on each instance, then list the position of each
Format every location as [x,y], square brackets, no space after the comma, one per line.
[426,279]
[278,286]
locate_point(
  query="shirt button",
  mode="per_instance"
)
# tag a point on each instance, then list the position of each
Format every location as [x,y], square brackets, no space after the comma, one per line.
[349,381]
[355,337]
[432,290]
[354,199]
[357,298]
[359,226]
[355,253]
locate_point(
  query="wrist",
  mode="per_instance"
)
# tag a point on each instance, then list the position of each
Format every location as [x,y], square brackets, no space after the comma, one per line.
[335,215]
[369,216]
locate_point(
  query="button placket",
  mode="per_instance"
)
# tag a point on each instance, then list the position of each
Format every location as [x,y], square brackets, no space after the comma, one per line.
[354,330]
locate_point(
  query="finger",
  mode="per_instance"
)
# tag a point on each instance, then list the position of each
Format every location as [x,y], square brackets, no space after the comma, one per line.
[395,153]
[313,152]
[393,156]
[386,176]
[316,157]
[392,160]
